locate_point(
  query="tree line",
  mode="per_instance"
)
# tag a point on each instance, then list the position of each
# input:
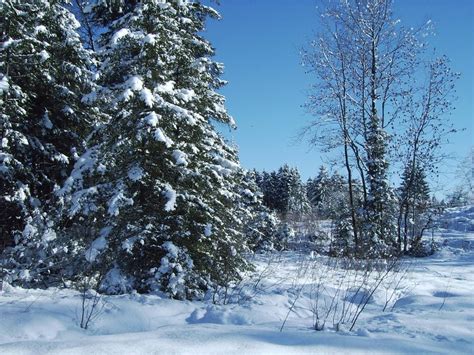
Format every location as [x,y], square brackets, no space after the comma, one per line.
[325,197]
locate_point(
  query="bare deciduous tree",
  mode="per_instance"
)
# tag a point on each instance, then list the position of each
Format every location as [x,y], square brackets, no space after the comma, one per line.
[366,98]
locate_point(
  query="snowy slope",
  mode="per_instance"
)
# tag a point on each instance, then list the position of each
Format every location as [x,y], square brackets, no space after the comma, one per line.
[434,314]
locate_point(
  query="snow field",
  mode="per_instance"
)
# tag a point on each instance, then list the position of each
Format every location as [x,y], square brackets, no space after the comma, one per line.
[433,312]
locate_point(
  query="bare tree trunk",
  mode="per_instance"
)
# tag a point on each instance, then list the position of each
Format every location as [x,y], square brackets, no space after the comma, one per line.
[346,137]
[405,230]
[351,197]
[359,163]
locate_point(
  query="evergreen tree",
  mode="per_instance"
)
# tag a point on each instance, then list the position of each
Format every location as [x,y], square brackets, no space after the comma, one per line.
[337,195]
[326,193]
[268,185]
[284,186]
[261,226]
[44,73]
[298,202]
[284,192]
[415,199]
[317,189]
[380,227]
[158,184]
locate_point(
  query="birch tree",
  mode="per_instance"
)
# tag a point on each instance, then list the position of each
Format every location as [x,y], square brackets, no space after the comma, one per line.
[365,98]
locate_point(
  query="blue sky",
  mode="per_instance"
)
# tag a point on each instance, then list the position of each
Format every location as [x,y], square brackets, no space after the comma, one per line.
[259,42]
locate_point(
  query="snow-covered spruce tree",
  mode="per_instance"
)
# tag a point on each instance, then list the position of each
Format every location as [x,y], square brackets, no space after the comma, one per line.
[261,226]
[298,203]
[415,196]
[325,193]
[317,189]
[44,72]
[159,184]
[268,184]
[338,193]
[342,242]
[284,187]
[285,193]
[379,228]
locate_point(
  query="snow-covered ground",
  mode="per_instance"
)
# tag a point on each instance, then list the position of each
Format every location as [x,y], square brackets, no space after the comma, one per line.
[433,313]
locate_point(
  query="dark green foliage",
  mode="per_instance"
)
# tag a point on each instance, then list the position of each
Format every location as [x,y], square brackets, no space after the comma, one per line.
[158,177]
[44,73]
[284,193]
[326,193]
[260,224]
[415,206]
[379,226]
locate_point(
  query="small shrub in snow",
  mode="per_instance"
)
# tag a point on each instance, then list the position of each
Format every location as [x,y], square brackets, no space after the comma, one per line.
[340,289]
[92,304]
